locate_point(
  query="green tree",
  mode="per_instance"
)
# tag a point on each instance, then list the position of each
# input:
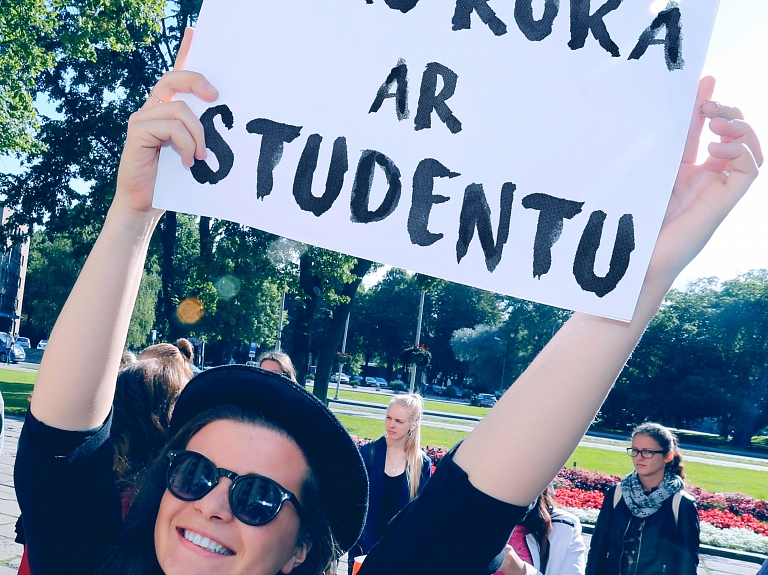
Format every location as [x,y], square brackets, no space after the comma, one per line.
[143,317]
[36,34]
[51,274]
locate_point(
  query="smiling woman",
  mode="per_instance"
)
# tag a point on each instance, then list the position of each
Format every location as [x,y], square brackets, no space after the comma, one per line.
[259,476]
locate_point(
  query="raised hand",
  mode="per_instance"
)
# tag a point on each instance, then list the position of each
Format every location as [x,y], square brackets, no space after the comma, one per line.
[161,121]
[704,194]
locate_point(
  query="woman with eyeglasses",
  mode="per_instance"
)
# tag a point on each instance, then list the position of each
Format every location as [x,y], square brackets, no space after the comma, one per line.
[259,477]
[648,524]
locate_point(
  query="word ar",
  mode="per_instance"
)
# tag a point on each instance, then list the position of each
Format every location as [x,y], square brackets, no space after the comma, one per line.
[429,100]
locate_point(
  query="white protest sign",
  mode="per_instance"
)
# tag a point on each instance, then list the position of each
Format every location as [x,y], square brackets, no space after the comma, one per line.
[527,147]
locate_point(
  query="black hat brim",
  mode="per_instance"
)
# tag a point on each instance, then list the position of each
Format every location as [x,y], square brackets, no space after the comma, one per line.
[332,454]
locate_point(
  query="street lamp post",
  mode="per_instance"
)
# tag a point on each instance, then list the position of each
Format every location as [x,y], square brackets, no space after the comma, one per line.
[418,339]
[343,351]
[503,363]
[280,324]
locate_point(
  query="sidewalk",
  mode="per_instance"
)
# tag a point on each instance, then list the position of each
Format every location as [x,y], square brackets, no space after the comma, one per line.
[10,552]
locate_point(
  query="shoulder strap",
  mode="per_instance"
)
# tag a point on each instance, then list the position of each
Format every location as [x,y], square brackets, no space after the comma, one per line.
[676,498]
[617,495]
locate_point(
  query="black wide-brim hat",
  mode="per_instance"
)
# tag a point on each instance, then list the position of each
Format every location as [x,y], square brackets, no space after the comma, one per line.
[332,454]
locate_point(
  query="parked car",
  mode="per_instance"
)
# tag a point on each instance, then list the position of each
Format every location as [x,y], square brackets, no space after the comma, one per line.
[451,391]
[437,390]
[381,381]
[42,344]
[369,382]
[344,378]
[484,400]
[23,342]
[17,353]
[356,380]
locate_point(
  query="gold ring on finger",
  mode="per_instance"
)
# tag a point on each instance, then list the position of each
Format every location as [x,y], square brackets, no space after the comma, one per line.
[155,98]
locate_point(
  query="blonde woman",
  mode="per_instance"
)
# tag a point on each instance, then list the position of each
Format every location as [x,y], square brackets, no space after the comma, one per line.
[278,362]
[397,468]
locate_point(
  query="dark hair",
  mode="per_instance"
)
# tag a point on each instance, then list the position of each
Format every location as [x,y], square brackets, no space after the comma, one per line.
[539,518]
[667,441]
[186,349]
[145,394]
[134,551]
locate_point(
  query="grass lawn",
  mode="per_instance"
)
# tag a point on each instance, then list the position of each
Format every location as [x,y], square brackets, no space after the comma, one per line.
[16,387]
[429,405]
[365,427]
[711,477]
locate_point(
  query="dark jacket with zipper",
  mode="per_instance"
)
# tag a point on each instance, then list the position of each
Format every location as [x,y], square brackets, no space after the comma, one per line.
[664,548]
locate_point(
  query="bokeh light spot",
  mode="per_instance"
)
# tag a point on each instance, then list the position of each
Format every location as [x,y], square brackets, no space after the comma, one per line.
[227,287]
[190,311]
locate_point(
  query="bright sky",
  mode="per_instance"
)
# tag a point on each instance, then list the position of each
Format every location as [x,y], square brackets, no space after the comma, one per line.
[738,58]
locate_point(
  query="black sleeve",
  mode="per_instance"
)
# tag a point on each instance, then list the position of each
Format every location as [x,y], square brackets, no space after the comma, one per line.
[601,538]
[451,528]
[69,503]
[688,527]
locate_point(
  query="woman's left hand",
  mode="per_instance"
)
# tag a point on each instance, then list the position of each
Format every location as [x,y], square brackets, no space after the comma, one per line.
[704,194]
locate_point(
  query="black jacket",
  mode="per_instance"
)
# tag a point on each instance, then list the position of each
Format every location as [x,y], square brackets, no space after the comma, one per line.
[375,470]
[664,547]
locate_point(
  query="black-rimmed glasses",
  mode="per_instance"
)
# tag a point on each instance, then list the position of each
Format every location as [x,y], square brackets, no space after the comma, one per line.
[254,499]
[643,453]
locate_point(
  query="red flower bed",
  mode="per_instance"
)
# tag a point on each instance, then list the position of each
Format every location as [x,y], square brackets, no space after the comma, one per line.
[577,478]
[725,519]
[579,498]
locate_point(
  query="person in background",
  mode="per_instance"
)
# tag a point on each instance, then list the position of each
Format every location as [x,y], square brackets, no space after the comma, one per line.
[9,343]
[397,469]
[279,362]
[128,358]
[548,541]
[648,524]
[188,351]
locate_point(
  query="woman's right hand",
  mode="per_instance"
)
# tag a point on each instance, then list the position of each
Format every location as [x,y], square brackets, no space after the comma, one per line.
[161,120]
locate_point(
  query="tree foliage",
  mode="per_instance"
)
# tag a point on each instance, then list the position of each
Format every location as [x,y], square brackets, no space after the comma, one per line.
[37,35]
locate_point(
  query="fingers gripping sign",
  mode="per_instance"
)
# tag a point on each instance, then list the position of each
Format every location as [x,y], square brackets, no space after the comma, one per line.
[704,194]
[162,120]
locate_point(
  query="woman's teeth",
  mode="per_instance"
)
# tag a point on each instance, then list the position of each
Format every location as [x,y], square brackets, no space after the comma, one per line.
[206,543]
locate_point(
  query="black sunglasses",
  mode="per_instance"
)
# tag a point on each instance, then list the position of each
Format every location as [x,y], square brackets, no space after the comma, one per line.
[254,499]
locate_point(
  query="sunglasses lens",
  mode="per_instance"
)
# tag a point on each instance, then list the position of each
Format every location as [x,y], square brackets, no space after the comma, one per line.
[255,500]
[191,476]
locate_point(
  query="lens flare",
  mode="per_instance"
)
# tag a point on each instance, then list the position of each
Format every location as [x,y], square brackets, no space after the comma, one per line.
[284,251]
[190,311]
[227,287]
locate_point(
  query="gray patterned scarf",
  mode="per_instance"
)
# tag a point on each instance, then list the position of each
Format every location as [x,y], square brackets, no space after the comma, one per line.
[642,505]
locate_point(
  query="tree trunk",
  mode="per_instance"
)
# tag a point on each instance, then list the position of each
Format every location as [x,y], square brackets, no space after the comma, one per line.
[308,289]
[206,248]
[168,241]
[335,332]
